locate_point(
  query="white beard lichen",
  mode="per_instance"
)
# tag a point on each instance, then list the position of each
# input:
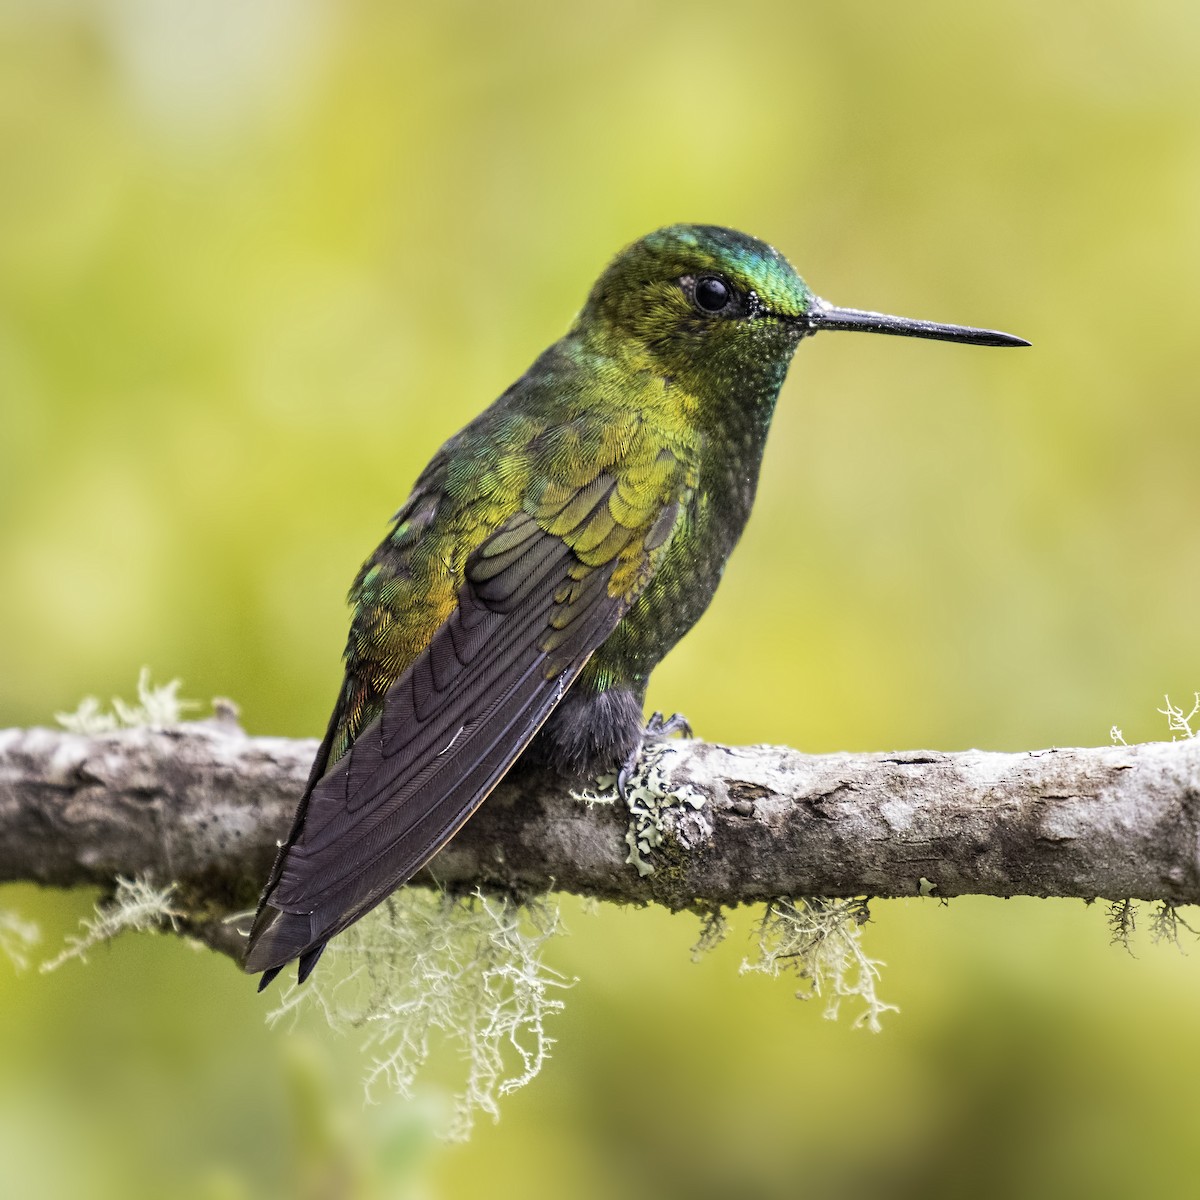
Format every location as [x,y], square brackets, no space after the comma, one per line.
[821,940]
[155,707]
[136,905]
[17,938]
[429,967]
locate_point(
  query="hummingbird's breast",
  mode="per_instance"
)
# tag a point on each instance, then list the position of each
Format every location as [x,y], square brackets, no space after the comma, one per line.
[712,516]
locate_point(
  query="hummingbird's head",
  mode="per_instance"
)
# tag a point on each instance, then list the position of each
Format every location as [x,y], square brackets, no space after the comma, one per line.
[700,298]
[721,309]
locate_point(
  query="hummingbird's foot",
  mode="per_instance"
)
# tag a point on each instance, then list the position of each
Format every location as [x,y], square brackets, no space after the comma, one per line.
[656,727]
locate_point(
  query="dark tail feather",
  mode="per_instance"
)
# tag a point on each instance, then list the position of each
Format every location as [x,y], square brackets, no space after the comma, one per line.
[308,960]
[267,976]
[276,938]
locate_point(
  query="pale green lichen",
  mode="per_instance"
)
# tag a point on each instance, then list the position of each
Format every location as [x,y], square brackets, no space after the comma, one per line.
[821,940]
[431,967]
[1178,722]
[603,791]
[156,706]
[1165,924]
[714,927]
[137,905]
[1122,922]
[648,798]
[17,938]
[1165,921]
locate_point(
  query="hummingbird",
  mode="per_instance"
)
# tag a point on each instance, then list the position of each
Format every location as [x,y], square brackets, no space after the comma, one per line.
[549,556]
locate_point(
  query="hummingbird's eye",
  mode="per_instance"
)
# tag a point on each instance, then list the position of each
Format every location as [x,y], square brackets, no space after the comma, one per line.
[712,294]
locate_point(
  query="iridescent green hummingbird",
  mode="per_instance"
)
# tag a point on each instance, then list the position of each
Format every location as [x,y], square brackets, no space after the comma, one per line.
[549,556]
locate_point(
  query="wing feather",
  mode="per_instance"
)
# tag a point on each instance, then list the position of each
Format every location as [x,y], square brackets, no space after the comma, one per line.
[529,614]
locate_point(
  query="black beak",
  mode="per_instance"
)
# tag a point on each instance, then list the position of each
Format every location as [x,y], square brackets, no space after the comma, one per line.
[821,316]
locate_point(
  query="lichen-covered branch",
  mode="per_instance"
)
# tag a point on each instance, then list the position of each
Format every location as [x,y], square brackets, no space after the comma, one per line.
[202,805]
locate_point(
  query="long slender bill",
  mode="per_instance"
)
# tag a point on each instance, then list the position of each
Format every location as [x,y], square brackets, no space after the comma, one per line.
[822,316]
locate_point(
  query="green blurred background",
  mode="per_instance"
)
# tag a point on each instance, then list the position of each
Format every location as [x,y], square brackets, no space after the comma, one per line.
[257,259]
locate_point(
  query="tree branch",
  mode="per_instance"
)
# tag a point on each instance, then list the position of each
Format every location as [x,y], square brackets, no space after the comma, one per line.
[203,805]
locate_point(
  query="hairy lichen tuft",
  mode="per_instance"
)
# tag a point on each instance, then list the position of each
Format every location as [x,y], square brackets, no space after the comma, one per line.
[17,938]
[137,904]
[156,706]
[1180,723]
[1122,923]
[1165,924]
[821,940]
[464,970]
[714,926]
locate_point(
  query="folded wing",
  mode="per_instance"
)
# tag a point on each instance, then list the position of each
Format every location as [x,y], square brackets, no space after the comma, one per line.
[535,603]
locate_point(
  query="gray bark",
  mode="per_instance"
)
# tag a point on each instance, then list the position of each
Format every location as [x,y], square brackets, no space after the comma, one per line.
[203,804]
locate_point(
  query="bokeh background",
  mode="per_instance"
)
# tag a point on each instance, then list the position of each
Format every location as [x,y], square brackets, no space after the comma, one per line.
[258,259]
